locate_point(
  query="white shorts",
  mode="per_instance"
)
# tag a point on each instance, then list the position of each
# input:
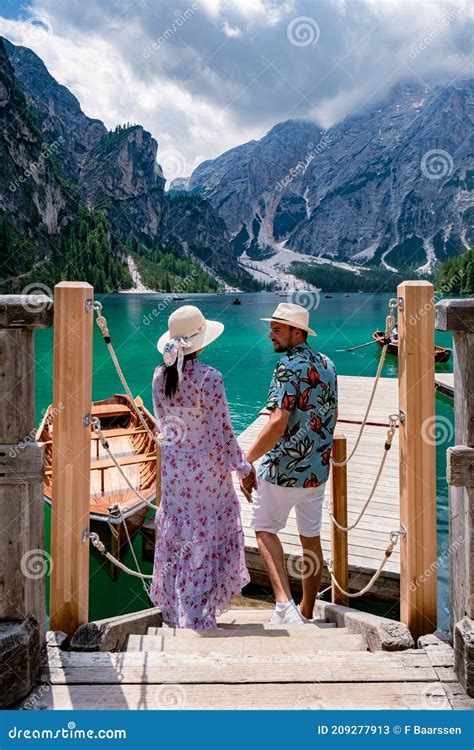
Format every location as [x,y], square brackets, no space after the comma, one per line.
[272,504]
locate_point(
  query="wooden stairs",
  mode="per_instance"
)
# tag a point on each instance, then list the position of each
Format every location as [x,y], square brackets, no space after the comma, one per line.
[246,663]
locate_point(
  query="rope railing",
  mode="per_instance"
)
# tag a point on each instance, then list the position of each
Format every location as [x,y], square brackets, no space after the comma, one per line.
[393,418]
[394,537]
[389,324]
[102,323]
[100,546]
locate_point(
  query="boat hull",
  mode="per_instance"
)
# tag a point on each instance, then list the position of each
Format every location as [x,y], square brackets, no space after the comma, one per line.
[442,354]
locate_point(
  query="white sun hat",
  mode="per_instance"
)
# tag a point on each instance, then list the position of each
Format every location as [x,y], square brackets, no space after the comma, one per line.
[188,326]
[292,315]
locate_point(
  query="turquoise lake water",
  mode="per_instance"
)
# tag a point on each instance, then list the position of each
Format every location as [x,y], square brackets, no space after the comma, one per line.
[246,359]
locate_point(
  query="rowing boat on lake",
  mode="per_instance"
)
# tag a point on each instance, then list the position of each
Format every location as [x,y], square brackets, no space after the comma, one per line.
[114,508]
[442,354]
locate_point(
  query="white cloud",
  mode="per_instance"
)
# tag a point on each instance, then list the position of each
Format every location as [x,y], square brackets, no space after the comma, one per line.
[207,75]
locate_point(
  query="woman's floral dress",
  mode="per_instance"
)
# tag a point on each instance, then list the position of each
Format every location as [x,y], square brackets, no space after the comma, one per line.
[199,556]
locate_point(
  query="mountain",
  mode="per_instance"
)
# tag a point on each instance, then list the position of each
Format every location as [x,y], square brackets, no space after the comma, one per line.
[391,185]
[72,189]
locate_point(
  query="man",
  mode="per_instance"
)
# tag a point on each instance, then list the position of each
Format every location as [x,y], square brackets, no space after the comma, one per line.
[296,446]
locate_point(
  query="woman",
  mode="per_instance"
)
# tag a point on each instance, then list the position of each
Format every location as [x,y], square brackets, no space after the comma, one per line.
[199,556]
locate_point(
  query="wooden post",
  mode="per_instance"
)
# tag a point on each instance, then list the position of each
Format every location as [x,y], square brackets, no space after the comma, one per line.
[418,579]
[73,323]
[457,316]
[24,562]
[339,510]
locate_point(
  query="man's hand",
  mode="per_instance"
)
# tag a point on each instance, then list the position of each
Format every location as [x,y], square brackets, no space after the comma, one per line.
[248,483]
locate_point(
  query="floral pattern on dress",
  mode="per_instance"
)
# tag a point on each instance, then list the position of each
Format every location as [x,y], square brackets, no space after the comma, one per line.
[305,384]
[199,560]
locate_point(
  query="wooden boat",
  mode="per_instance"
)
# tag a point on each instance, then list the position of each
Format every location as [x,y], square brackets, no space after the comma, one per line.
[237,301]
[177,298]
[442,354]
[328,296]
[135,451]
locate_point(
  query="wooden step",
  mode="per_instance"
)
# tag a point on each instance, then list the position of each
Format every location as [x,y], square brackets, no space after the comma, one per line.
[249,615]
[227,630]
[338,666]
[339,640]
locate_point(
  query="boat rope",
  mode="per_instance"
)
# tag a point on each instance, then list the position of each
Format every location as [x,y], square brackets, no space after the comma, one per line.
[146,587]
[102,323]
[393,418]
[95,424]
[99,545]
[389,324]
[394,537]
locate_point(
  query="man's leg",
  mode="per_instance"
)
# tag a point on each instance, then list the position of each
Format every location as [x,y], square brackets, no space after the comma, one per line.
[311,573]
[273,558]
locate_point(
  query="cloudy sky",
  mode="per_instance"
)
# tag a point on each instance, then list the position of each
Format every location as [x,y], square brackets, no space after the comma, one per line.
[204,76]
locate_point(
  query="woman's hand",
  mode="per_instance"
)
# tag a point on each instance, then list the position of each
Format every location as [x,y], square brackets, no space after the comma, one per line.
[248,483]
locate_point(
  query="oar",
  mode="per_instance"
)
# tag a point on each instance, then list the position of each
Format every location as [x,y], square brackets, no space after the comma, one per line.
[353,348]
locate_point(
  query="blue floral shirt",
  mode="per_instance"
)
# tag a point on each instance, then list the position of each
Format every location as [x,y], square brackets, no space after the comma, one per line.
[304,383]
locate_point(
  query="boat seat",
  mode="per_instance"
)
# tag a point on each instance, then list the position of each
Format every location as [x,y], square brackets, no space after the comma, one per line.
[109,410]
[109,464]
[116,432]
[126,461]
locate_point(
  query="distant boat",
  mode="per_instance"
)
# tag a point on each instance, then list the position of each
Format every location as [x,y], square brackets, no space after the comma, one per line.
[442,354]
[178,298]
[236,301]
[328,296]
[135,451]
[347,295]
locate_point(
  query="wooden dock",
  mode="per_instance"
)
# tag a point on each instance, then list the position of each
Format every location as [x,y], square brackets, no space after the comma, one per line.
[368,541]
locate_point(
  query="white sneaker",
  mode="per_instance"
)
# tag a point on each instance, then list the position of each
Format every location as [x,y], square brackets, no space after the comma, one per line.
[305,619]
[290,615]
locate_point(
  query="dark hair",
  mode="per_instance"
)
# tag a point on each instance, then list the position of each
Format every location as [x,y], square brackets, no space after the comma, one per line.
[171,376]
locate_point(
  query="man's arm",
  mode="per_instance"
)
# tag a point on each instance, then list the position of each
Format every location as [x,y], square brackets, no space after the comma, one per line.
[269,435]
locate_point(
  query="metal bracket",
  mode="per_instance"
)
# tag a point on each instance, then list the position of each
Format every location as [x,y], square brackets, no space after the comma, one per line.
[402,416]
[86,421]
[85,535]
[401,303]
[88,304]
[403,532]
